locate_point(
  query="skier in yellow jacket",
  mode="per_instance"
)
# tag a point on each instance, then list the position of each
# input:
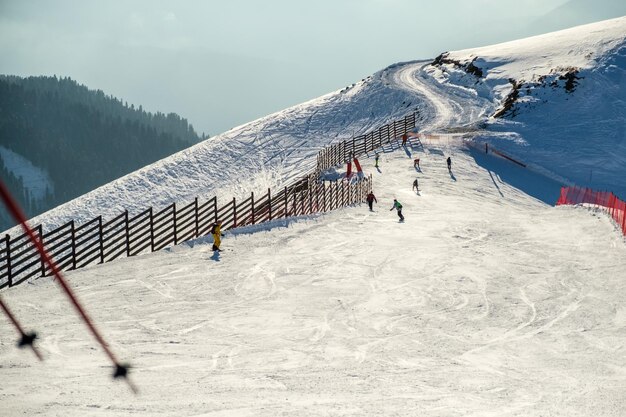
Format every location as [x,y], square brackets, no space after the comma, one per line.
[216,231]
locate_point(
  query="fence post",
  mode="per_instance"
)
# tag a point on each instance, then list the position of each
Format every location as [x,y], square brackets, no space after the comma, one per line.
[43,264]
[234,213]
[317,196]
[286,202]
[338,193]
[324,195]
[127,233]
[308,190]
[175,225]
[7,241]
[215,209]
[73,237]
[101,238]
[269,203]
[252,197]
[197,216]
[326,192]
[151,230]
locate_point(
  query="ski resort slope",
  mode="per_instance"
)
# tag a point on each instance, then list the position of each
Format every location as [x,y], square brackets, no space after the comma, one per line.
[576,135]
[484,302]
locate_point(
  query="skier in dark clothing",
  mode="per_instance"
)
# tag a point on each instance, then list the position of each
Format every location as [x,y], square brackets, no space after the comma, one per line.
[376,163]
[397,206]
[416,185]
[449,161]
[370,200]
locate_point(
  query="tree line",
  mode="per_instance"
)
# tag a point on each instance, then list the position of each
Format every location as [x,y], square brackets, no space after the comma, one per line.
[82,138]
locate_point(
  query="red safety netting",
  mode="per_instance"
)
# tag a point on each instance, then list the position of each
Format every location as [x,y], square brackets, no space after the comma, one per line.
[607,200]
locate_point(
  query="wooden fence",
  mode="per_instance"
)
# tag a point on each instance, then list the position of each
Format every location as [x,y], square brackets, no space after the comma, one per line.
[341,152]
[74,246]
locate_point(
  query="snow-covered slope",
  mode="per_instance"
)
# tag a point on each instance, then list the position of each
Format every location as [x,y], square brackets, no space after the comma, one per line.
[578,135]
[569,115]
[36,180]
[485,302]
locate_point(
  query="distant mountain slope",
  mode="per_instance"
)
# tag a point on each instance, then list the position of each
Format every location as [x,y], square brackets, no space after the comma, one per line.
[79,138]
[576,12]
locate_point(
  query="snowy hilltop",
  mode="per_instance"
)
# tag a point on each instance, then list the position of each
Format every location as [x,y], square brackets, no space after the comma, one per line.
[556,101]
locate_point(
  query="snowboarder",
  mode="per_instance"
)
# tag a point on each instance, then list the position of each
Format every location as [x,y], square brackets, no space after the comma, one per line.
[376,161]
[370,200]
[397,206]
[416,163]
[416,186]
[216,231]
[449,161]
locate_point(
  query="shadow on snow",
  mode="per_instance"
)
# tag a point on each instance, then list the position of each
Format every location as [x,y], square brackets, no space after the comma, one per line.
[532,183]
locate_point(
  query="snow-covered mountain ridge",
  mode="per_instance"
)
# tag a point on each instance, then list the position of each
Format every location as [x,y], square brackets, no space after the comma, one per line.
[576,134]
[561,97]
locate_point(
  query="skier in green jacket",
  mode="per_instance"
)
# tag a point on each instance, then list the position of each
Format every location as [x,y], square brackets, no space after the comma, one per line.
[397,206]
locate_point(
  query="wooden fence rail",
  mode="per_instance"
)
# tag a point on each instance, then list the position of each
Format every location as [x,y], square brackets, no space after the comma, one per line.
[96,241]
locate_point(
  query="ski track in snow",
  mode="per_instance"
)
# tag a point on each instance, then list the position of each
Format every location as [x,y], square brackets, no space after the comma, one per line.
[483,302]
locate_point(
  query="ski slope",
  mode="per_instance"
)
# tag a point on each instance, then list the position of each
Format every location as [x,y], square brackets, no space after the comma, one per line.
[485,301]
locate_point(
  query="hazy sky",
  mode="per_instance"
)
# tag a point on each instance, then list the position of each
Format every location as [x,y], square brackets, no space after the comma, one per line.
[223,63]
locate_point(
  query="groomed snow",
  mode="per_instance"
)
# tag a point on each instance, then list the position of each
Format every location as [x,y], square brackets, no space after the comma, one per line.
[485,302]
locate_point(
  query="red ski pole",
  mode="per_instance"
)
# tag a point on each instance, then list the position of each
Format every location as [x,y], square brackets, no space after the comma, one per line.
[121,371]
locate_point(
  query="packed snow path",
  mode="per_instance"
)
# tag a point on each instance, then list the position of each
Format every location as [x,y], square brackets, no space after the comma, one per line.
[484,302]
[442,107]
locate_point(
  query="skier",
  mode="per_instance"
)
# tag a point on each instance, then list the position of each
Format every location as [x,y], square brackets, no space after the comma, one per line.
[449,161]
[397,206]
[416,163]
[376,161]
[216,231]
[404,139]
[370,200]
[416,186]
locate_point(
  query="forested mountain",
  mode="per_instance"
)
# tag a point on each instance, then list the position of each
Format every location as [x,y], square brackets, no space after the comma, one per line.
[82,138]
